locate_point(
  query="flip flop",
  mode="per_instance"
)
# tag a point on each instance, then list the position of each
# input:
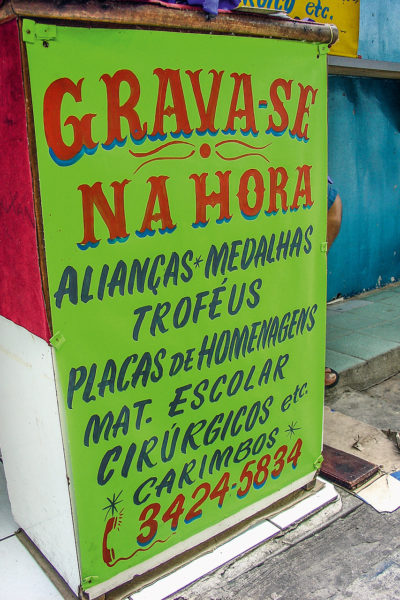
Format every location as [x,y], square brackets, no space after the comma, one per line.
[331,385]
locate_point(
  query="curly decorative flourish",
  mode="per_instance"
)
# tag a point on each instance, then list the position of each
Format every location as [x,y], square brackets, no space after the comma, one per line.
[139,550]
[156,150]
[242,156]
[242,144]
[163,158]
[140,154]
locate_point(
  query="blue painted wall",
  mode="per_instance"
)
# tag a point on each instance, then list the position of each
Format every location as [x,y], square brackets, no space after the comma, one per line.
[364,162]
[379,35]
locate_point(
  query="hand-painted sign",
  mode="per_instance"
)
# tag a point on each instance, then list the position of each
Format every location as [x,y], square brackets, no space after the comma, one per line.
[184,200]
[345,14]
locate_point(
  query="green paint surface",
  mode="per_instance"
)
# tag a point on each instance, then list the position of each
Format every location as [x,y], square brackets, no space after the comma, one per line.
[165,440]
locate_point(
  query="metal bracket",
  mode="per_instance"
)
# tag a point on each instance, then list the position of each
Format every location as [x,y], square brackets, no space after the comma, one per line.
[323,49]
[318,462]
[89,579]
[57,340]
[33,32]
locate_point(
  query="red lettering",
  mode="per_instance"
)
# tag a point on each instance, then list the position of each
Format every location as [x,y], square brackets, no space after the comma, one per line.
[207,116]
[172,78]
[278,105]
[243,193]
[116,111]
[52,102]
[93,196]
[158,191]
[276,188]
[203,200]
[303,173]
[302,110]
[242,81]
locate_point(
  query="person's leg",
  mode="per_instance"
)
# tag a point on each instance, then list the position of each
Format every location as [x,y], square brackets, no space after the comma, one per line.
[334,222]
[331,377]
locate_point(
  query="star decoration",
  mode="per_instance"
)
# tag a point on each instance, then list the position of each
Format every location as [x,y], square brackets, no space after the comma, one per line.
[198,261]
[112,504]
[291,430]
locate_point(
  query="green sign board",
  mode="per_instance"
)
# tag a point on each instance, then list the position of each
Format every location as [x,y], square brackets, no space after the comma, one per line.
[183,187]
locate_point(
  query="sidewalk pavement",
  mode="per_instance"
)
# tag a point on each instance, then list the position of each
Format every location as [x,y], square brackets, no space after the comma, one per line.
[355,552]
[363,338]
[346,551]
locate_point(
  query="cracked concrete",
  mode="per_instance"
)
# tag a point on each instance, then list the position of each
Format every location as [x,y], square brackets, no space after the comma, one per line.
[354,554]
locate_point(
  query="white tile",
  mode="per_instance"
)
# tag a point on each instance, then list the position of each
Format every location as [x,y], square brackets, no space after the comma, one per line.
[7,524]
[245,541]
[383,494]
[21,576]
[305,507]
[32,448]
[237,546]
[205,564]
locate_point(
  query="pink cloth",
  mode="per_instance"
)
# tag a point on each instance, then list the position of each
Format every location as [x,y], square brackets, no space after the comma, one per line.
[21,295]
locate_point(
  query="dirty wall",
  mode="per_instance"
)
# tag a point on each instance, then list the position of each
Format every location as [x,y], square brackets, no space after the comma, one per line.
[364,150]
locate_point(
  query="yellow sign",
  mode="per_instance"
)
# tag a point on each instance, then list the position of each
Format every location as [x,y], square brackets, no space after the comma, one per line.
[342,13]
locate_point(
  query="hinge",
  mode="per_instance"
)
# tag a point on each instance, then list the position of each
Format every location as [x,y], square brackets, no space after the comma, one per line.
[57,340]
[318,462]
[37,32]
[322,49]
[89,579]
[324,247]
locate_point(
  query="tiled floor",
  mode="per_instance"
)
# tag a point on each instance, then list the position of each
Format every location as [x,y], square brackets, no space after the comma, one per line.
[362,328]
[21,577]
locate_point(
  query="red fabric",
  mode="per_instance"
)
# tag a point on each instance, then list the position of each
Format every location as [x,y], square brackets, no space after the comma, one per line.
[21,296]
